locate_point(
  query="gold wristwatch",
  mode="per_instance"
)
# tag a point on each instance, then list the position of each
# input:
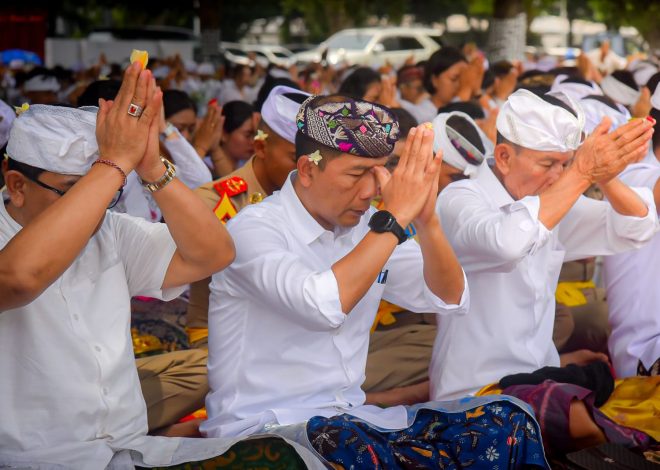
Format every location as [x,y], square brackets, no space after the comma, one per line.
[170,174]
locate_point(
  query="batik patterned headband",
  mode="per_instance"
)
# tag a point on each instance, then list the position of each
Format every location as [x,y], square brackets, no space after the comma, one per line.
[350,126]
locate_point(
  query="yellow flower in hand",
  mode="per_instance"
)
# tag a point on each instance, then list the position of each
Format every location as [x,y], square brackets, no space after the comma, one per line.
[20,110]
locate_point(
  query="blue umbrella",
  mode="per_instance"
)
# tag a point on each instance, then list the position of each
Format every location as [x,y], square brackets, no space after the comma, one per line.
[26,56]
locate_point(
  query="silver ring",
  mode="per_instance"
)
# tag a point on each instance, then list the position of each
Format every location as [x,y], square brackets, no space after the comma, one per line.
[135,110]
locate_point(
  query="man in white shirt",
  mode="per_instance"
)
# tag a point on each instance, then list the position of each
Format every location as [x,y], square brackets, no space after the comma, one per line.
[515,224]
[605,59]
[313,262]
[70,395]
[631,280]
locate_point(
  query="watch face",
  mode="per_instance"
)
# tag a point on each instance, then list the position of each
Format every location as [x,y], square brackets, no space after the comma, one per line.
[381,221]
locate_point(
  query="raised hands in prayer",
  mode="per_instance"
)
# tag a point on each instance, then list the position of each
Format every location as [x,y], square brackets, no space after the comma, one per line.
[604,155]
[122,138]
[208,135]
[410,191]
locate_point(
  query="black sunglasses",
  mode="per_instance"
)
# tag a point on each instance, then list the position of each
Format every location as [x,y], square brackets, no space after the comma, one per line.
[59,192]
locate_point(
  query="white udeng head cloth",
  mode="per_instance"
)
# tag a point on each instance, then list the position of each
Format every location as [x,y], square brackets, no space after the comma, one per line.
[531,122]
[54,138]
[444,135]
[279,112]
[595,109]
[619,91]
[575,90]
[41,83]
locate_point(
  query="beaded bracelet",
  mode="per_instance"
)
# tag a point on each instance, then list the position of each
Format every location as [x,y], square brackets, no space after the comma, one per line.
[113,165]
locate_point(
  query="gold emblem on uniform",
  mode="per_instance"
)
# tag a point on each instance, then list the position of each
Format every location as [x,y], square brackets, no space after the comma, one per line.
[256,198]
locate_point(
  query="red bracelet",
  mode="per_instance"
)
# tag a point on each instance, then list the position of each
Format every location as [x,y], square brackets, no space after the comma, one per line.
[113,165]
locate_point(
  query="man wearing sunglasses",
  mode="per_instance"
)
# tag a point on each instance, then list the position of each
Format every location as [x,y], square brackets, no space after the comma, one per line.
[512,227]
[70,396]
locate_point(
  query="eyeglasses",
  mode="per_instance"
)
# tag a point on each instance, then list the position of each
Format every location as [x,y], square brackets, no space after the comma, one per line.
[59,192]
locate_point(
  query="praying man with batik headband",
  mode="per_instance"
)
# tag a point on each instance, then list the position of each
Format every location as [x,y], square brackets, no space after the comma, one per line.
[289,321]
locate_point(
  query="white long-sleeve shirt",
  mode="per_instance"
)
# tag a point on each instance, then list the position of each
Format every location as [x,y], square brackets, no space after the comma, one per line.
[633,291]
[190,169]
[280,348]
[512,262]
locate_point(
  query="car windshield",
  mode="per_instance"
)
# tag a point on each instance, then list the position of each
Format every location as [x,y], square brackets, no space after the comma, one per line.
[352,40]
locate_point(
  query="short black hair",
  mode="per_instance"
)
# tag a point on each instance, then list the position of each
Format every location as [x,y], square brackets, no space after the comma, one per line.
[236,113]
[500,139]
[626,77]
[501,68]
[439,62]
[269,83]
[306,145]
[406,121]
[471,108]
[356,84]
[467,130]
[655,114]
[175,101]
[106,89]
[30,171]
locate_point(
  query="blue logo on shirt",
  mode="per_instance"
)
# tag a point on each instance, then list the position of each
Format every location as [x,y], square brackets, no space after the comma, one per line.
[382,277]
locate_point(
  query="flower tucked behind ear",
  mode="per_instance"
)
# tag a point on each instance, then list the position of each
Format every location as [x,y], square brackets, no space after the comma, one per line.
[315,157]
[20,110]
[261,135]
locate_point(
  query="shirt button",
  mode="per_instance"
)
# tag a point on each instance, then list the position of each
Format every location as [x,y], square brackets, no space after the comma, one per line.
[75,317]
[98,348]
[105,390]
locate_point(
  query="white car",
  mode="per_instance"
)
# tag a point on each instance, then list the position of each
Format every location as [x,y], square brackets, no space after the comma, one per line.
[266,54]
[263,54]
[375,46]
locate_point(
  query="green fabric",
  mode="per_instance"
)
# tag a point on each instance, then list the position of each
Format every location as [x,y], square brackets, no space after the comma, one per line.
[255,454]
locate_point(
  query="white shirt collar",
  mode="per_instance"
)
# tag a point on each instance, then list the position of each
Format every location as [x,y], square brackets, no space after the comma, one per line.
[493,186]
[306,228]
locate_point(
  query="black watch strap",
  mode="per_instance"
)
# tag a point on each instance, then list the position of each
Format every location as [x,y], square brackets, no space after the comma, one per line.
[383,221]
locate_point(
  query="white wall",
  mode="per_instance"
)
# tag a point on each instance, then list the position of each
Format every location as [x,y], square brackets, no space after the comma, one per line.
[74,53]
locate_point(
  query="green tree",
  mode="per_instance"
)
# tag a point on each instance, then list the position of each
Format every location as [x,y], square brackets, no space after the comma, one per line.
[642,14]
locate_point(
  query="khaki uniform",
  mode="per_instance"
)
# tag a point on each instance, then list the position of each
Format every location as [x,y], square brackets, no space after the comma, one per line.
[581,318]
[173,384]
[226,197]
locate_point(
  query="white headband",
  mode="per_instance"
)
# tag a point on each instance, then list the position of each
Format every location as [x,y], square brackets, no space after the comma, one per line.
[619,91]
[531,122]
[577,91]
[55,138]
[279,112]
[41,83]
[444,135]
[595,110]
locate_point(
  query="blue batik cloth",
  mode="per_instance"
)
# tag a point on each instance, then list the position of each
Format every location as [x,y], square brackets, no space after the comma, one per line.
[477,432]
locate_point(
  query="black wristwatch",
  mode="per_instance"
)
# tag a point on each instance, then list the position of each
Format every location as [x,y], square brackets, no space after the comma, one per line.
[383,221]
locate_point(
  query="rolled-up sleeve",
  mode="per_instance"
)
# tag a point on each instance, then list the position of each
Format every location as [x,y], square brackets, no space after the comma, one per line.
[266,271]
[486,238]
[593,228]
